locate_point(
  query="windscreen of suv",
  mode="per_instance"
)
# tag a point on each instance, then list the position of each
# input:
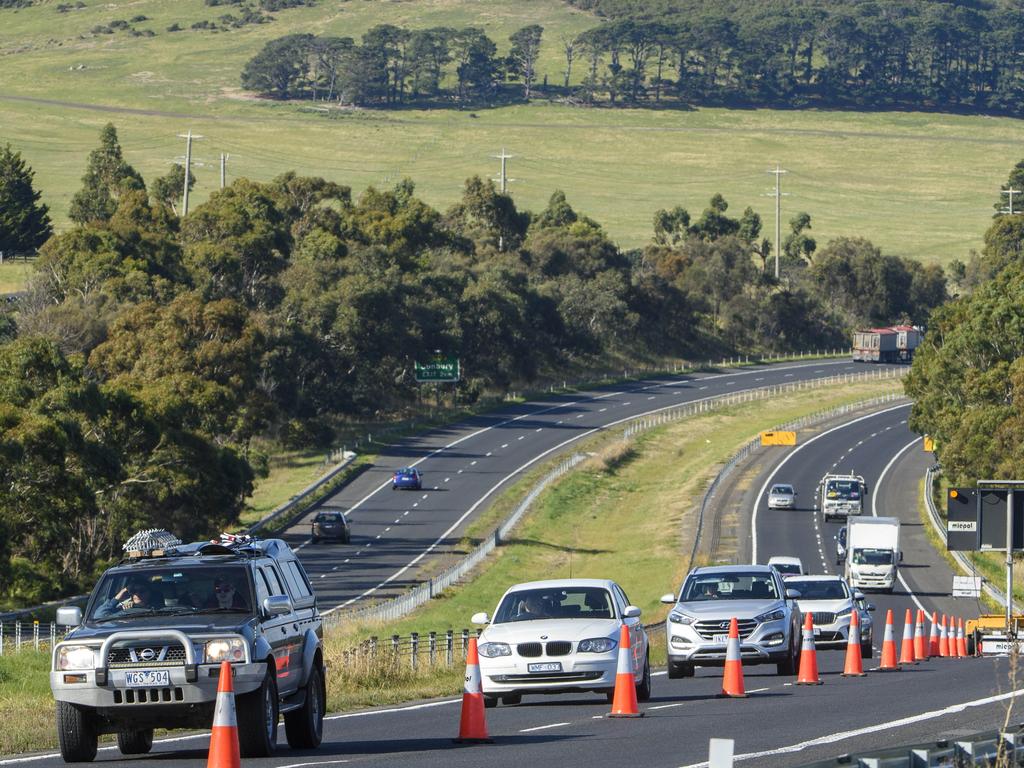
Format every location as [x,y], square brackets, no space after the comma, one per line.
[872,557]
[730,586]
[328,518]
[834,589]
[568,603]
[171,590]
[843,489]
[787,568]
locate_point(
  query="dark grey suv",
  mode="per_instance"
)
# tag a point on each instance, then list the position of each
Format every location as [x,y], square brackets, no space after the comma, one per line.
[147,652]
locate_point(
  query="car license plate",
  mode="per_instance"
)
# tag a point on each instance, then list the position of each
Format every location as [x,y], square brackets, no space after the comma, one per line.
[817,631]
[547,666]
[721,639]
[147,678]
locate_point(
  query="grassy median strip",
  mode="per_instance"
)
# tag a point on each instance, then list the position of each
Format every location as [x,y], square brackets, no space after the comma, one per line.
[623,514]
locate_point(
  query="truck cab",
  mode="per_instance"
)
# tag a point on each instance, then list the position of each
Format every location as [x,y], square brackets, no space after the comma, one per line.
[873,553]
[841,496]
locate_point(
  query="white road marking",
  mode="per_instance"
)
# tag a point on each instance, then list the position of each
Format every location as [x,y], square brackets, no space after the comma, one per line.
[397,520]
[602,410]
[632,403]
[520,437]
[703,387]
[405,513]
[760,379]
[788,375]
[415,504]
[889,725]
[652,397]
[460,471]
[387,529]
[322,576]
[318,762]
[473,462]
[538,429]
[505,445]
[424,495]
[543,727]
[488,453]
[346,560]
[580,416]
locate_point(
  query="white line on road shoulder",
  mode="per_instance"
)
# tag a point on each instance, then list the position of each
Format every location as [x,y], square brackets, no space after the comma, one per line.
[543,727]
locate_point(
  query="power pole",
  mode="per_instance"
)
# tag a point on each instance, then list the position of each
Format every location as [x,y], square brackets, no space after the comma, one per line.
[503,179]
[188,137]
[1010,193]
[223,169]
[778,214]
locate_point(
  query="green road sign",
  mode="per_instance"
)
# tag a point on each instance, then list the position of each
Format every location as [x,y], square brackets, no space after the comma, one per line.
[439,369]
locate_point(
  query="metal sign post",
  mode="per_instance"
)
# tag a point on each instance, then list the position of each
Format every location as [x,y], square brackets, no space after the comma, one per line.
[1009,562]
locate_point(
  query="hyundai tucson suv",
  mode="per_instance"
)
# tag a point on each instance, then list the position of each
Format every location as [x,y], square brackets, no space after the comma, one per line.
[147,651]
[698,624]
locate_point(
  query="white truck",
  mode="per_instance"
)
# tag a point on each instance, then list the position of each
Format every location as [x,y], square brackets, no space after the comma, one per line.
[873,552]
[841,495]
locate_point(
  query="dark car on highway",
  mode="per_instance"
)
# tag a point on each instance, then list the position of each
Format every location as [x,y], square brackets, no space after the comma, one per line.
[407,477]
[331,525]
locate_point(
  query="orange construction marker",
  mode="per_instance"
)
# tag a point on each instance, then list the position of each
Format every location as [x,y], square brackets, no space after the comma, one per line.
[224,751]
[907,646]
[854,666]
[624,701]
[943,639]
[732,680]
[920,641]
[472,724]
[961,640]
[808,655]
[933,638]
[889,663]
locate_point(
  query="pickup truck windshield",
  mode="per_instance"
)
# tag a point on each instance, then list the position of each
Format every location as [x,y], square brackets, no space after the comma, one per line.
[127,593]
[872,557]
[730,586]
[842,489]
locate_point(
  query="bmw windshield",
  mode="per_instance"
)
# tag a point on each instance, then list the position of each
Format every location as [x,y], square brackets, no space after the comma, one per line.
[571,603]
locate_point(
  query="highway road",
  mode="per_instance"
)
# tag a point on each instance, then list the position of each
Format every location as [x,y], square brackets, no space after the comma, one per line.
[780,724]
[395,533]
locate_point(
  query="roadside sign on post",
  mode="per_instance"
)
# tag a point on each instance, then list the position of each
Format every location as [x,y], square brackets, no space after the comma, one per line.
[967,586]
[962,520]
[778,438]
[928,443]
[439,370]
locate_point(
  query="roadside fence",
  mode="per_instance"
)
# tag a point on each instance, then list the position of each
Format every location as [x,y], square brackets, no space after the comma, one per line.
[16,636]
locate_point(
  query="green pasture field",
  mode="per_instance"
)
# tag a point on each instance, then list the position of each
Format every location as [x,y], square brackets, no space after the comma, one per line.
[919,185]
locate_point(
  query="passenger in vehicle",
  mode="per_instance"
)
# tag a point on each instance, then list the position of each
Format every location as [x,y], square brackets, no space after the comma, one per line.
[226,596]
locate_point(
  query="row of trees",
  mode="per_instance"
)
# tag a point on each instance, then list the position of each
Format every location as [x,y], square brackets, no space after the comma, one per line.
[393,65]
[153,354]
[877,54]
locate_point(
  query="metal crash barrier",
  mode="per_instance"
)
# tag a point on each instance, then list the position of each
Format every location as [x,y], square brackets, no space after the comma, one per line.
[989,748]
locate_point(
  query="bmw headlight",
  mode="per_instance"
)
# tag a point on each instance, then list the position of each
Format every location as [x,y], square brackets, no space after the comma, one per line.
[776,615]
[227,649]
[596,645]
[493,650]
[76,657]
[680,618]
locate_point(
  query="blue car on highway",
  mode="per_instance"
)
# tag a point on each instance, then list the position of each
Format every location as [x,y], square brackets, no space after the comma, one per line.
[407,477]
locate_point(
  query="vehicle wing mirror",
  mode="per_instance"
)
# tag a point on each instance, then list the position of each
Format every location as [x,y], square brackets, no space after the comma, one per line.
[668,599]
[793,594]
[901,557]
[871,606]
[69,616]
[277,605]
[480,618]
[858,595]
[631,612]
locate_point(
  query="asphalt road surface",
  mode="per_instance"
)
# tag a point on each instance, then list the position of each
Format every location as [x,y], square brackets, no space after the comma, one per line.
[395,533]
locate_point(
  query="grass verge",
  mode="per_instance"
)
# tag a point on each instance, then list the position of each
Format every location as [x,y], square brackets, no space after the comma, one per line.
[623,515]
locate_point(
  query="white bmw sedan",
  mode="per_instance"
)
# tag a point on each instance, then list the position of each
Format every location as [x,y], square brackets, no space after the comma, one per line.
[559,637]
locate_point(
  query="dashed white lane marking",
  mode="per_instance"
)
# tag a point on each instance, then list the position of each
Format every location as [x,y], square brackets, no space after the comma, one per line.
[788,375]
[424,495]
[760,379]
[447,479]
[652,397]
[543,727]
[472,463]
[627,403]
[580,416]
[558,422]
[376,537]
[520,437]
[368,543]
[831,738]
[405,513]
[602,410]
[505,445]
[415,504]
[729,383]
[346,560]
[538,429]
[323,575]
[387,529]
[703,387]
[488,454]
[460,471]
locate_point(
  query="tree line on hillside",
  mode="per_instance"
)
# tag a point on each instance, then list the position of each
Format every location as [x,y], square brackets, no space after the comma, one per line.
[154,356]
[873,54]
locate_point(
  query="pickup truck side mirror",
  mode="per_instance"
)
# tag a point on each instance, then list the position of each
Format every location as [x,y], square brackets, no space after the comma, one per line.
[69,616]
[277,605]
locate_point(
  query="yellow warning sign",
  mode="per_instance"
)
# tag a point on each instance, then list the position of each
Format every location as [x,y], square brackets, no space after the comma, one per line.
[929,444]
[778,438]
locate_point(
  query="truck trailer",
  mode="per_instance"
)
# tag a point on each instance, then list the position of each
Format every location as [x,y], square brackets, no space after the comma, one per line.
[886,345]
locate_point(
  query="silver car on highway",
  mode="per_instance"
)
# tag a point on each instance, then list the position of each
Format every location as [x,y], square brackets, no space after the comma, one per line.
[698,624]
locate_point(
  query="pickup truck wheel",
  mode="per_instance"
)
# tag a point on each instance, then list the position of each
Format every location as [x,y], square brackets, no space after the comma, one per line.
[77,733]
[135,742]
[257,718]
[304,726]
[643,688]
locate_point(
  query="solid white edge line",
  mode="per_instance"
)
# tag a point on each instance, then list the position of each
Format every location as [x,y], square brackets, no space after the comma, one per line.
[769,480]
[874,513]
[317,762]
[952,709]
[543,727]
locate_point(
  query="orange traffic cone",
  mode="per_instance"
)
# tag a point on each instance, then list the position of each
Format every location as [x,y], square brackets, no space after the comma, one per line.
[808,655]
[933,638]
[224,735]
[961,639]
[889,663]
[624,702]
[854,667]
[920,641]
[732,680]
[907,646]
[943,639]
[472,724]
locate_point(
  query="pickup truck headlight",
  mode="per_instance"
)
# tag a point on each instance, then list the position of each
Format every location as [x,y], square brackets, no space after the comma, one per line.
[492,650]
[76,657]
[680,618]
[596,645]
[776,615]
[228,649]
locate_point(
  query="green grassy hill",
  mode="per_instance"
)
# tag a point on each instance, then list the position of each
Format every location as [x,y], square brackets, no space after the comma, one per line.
[918,185]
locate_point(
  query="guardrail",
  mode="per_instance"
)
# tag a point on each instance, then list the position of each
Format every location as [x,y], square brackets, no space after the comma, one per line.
[292,504]
[935,517]
[733,461]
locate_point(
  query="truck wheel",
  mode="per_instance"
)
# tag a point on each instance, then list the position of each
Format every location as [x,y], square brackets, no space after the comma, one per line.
[643,688]
[257,718]
[77,733]
[490,702]
[135,742]
[304,726]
